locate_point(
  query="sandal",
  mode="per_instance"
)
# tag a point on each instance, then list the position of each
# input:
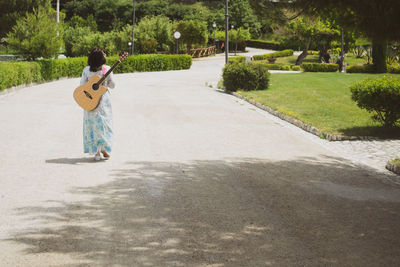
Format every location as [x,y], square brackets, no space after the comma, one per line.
[105,155]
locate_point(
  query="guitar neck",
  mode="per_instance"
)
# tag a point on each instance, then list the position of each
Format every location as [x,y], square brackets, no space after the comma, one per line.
[108,72]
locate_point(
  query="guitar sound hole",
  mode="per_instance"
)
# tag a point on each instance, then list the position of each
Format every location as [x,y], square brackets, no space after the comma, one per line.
[95,86]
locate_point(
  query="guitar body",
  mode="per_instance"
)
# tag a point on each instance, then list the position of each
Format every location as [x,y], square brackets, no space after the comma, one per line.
[86,96]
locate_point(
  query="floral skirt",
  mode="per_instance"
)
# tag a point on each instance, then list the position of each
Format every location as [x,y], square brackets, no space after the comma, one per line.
[97,127]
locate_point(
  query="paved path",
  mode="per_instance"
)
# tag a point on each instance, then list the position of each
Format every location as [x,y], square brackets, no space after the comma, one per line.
[197,178]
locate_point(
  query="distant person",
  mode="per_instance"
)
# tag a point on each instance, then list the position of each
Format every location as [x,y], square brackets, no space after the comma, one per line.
[340,62]
[327,57]
[223,47]
[97,123]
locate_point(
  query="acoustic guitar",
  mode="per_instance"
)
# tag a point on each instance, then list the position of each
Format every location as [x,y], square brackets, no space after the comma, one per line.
[88,95]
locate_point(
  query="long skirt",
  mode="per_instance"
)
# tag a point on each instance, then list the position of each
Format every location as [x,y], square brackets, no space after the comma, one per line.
[97,127]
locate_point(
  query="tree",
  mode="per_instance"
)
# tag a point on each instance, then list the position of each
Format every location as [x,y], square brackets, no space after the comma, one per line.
[159,29]
[73,36]
[242,15]
[37,34]
[238,36]
[193,32]
[376,19]
[10,11]
[312,29]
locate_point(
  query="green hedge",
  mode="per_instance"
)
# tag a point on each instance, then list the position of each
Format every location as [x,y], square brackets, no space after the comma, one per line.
[17,73]
[320,67]
[360,69]
[283,53]
[239,59]
[52,69]
[369,68]
[263,44]
[296,68]
[271,66]
[141,63]
[13,73]
[313,53]
[244,76]
[394,69]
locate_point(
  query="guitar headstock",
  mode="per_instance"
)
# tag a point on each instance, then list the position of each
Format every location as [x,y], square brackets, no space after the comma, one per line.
[123,56]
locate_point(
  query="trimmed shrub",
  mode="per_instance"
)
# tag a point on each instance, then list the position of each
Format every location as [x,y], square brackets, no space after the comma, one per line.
[246,77]
[157,62]
[240,59]
[284,53]
[296,68]
[271,66]
[320,67]
[360,69]
[263,44]
[52,69]
[313,53]
[16,73]
[395,69]
[379,96]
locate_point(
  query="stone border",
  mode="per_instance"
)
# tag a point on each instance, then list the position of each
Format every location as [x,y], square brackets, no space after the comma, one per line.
[300,124]
[393,168]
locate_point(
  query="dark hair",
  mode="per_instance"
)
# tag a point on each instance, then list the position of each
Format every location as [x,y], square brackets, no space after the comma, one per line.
[96,59]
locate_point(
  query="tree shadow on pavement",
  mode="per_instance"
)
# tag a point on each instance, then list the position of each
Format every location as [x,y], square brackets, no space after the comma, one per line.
[239,212]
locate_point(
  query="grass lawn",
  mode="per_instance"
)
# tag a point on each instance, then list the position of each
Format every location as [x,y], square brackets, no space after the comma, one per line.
[322,100]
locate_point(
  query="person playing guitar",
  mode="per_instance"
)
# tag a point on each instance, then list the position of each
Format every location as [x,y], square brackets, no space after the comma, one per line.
[97,123]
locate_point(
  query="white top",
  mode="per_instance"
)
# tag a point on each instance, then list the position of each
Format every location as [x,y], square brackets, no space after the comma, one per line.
[87,74]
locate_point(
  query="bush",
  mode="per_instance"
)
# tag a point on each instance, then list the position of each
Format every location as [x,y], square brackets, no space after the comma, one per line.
[246,77]
[271,66]
[395,69]
[284,53]
[360,69]
[141,63]
[240,59]
[154,34]
[193,32]
[296,68]
[16,73]
[313,53]
[146,46]
[263,44]
[320,67]
[380,96]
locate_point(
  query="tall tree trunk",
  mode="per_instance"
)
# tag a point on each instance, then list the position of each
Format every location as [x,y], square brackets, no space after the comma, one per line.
[304,54]
[379,54]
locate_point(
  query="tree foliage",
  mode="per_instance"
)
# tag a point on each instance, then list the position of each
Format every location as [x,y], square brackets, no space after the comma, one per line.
[157,28]
[242,15]
[37,34]
[193,33]
[238,36]
[376,19]
[11,11]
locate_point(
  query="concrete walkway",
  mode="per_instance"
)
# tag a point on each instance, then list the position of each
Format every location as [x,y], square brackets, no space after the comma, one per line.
[197,178]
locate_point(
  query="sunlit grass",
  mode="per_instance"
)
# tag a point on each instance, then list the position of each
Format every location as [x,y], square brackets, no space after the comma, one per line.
[322,100]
